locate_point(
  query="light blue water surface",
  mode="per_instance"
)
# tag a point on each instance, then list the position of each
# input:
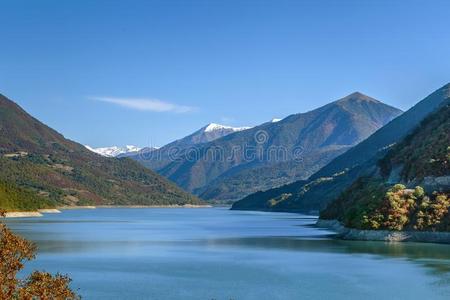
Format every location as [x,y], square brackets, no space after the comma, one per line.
[215,253]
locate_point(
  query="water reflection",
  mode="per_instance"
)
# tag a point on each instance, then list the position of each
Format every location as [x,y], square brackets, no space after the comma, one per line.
[217,246]
[433,256]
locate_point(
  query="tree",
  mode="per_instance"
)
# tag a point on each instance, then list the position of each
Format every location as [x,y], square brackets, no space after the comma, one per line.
[14,250]
[399,205]
[432,211]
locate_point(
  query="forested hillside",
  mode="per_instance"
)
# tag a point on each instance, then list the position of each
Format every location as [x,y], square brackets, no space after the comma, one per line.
[39,166]
[412,188]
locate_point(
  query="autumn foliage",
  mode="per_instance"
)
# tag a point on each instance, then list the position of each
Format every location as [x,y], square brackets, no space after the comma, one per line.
[14,251]
[369,204]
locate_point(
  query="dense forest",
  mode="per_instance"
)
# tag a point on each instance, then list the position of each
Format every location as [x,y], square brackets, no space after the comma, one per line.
[15,198]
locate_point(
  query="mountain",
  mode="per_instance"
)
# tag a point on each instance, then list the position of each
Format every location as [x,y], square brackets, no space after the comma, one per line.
[390,134]
[273,153]
[38,163]
[210,133]
[329,182]
[115,151]
[409,190]
[205,134]
[163,156]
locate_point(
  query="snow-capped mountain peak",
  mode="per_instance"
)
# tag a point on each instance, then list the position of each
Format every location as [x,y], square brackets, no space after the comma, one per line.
[214,127]
[275,120]
[207,133]
[114,151]
[131,148]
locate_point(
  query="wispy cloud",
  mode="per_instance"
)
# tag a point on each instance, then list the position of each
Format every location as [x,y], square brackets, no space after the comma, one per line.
[154,105]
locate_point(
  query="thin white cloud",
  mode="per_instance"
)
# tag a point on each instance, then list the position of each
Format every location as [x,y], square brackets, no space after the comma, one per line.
[154,105]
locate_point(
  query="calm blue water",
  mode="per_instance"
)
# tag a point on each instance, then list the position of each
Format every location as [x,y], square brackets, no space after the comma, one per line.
[214,253]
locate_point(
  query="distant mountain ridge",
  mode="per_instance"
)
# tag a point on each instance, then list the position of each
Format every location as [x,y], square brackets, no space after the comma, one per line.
[39,163]
[206,134]
[308,141]
[329,182]
[157,158]
[115,151]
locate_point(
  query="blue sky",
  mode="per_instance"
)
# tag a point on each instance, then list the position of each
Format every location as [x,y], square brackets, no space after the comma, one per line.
[147,72]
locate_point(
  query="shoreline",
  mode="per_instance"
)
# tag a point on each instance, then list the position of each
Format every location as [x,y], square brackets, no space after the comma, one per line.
[155,206]
[59,209]
[310,212]
[345,233]
[76,207]
[49,211]
[22,214]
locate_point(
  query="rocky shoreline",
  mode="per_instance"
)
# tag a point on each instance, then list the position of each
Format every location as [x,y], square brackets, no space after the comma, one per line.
[384,235]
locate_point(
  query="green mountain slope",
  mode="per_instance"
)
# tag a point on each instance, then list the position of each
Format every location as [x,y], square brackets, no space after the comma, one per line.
[328,183]
[15,198]
[411,189]
[274,154]
[38,160]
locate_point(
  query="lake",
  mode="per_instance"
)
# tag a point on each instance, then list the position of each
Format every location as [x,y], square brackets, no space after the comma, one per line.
[215,253]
